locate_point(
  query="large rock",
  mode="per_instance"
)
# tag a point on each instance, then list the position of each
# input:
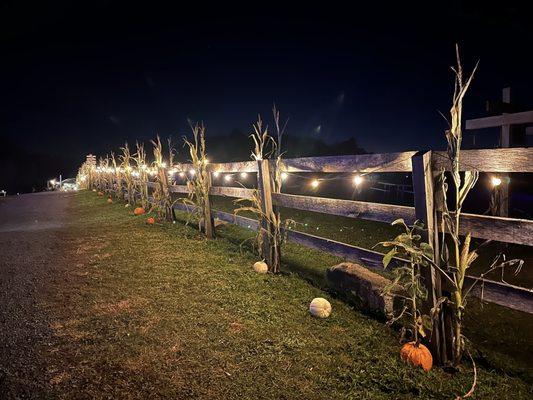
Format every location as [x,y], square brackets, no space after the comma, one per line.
[362,286]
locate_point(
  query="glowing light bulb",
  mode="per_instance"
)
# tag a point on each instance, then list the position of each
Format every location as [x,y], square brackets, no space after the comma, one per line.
[284,176]
[227,178]
[357,180]
[192,171]
[182,174]
[315,183]
[206,161]
[216,174]
[53,181]
[495,181]
[244,175]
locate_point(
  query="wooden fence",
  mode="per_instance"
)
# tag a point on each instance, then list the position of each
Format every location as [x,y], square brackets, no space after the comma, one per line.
[423,166]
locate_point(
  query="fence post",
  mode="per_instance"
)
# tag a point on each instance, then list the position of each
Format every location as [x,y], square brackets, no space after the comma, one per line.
[209,223]
[425,211]
[264,185]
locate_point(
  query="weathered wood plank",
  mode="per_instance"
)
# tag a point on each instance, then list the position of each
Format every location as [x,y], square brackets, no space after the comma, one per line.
[209,225]
[270,247]
[391,162]
[502,229]
[241,193]
[489,160]
[346,208]
[503,294]
[371,259]
[241,166]
[178,189]
[525,117]
[244,222]
[440,341]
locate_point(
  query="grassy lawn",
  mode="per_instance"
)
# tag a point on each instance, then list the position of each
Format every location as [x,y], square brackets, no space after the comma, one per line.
[492,329]
[159,312]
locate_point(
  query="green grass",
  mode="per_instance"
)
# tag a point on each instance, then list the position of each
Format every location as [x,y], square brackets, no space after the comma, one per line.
[502,336]
[159,312]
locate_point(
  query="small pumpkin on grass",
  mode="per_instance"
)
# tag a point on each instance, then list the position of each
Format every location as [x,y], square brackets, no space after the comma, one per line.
[110,200]
[260,267]
[126,205]
[100,194]
[139,211]
[320,307]
[150,221]
[417,355]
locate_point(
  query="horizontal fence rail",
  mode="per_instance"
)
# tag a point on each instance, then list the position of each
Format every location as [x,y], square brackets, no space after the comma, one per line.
[346,208]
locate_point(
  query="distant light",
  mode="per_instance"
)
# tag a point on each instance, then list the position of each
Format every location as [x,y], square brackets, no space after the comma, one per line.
[315,183]
[144,167]
[216,174]
[244,175]
[206,161]
[182,174]
[227,178]
[495,181]
[192,171]
[284,176]
[357,180]
[163,165]
[53,181]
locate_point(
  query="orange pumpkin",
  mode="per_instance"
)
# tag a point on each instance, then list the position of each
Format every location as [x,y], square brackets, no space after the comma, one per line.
[150,220]
[138,211]
[100,193]
[110,200]
[417,355]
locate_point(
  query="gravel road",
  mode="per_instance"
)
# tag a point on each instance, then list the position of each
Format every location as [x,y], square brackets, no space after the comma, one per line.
[30,226]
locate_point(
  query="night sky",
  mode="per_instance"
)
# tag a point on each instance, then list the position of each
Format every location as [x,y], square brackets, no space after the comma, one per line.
[79,78]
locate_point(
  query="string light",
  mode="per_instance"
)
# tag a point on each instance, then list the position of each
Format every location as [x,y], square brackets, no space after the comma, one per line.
[315,183]
[495,181]
[216,174]
[163,165]
[192,171]
[357,180]
[244,175]
[227,178]
[284,176]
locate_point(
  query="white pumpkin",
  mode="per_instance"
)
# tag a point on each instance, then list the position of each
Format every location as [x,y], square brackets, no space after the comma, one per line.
[260,267]
[320,307]
[127,205]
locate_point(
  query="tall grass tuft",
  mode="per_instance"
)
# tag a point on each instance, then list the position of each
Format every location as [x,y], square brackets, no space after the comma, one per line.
[125,165]
[272,229]
[455,270]
[199,180]
[141,180]
[162,199]
[117,177]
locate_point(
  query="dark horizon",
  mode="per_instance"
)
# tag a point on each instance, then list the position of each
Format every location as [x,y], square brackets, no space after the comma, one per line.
[86,78]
